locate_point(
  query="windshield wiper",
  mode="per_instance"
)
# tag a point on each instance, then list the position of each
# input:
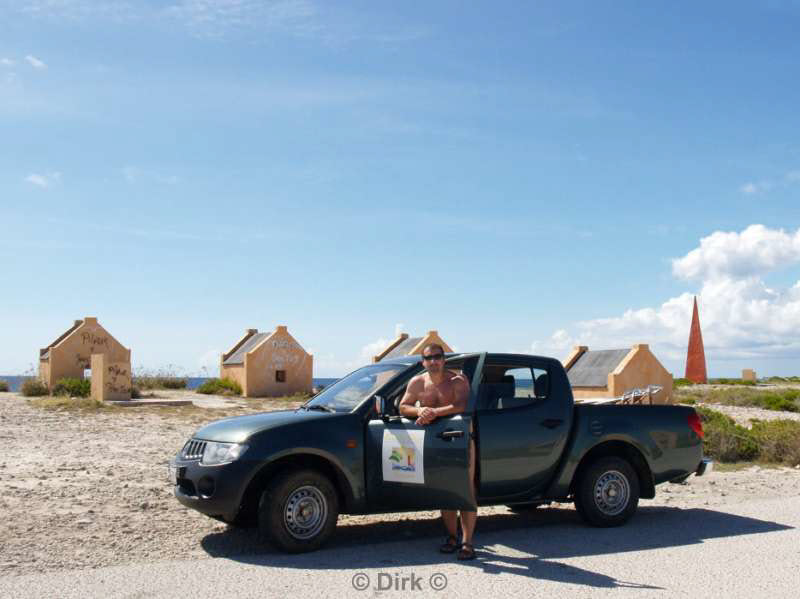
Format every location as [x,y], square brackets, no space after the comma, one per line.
[319,407]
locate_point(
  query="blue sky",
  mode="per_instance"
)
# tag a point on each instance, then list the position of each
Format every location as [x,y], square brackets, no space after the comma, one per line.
[521,178]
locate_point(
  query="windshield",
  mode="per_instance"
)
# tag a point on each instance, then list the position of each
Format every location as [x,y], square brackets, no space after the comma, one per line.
[347,393]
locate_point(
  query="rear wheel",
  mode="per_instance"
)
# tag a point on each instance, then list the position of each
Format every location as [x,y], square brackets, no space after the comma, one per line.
[607,492]
[298,511]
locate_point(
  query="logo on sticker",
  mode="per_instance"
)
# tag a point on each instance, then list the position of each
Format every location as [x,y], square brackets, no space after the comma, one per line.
[403,459]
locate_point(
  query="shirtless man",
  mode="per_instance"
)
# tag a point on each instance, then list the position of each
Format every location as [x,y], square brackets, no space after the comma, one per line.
[441,392]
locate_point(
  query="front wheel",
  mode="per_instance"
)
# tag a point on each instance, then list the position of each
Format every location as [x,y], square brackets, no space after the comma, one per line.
[297,511]
[607,492]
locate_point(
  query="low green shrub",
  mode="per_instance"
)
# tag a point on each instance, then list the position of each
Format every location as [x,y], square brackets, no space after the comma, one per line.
[724,440]
[34,388]
[3,386]
[72,387]
[681,383]
[731,382]
[224,386]
[159,380]
[782,379]
[135,392]
[785,400]
[778,441]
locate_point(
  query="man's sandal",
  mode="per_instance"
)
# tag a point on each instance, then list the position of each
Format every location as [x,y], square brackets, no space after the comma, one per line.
[450,545]
[467,551]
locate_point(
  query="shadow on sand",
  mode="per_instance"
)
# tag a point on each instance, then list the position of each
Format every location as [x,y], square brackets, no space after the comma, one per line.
[536,540]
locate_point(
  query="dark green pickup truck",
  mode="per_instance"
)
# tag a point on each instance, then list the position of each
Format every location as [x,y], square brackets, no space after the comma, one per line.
[348,451]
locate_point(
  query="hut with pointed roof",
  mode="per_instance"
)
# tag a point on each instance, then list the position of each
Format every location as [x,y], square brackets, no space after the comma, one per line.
[268,364]
[409,346]
[87,345]
[611,372]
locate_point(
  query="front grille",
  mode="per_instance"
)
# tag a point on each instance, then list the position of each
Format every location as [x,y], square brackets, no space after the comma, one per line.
[193,450]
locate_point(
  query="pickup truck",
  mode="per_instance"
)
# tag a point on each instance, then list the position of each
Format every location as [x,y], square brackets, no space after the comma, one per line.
[347,450]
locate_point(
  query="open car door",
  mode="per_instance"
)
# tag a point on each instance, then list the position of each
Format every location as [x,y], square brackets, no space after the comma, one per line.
[416,467]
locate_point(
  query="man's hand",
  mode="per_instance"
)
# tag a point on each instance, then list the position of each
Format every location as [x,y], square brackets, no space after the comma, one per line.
[425,415]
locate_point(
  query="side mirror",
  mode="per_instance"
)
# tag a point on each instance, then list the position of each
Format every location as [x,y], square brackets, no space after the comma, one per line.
[380,405]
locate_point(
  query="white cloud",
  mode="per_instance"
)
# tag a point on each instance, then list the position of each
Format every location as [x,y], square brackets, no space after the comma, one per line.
[44,180]
[216,18]
[749,188]
[220,18]
[7,62]
[78,10]
[765,185]
[753,251]
[740,315]
[35,62]
[370,350]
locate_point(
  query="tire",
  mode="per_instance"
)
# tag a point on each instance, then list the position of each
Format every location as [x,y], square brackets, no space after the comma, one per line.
[297,511]
[607,493]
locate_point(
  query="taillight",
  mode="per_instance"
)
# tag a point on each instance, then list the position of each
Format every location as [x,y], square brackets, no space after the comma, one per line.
[696,424]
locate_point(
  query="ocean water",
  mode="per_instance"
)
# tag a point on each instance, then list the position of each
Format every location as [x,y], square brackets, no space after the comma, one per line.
[193,382]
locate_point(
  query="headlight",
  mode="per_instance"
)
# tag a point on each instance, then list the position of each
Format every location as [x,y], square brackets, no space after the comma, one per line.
[221,453]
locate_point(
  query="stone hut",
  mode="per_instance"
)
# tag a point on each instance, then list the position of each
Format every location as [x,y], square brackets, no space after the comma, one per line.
[612,372]
[268,364]
[87,345]
[409,346]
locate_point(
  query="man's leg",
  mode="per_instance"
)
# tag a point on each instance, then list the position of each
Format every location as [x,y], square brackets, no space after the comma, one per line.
[468,519]
[450,519]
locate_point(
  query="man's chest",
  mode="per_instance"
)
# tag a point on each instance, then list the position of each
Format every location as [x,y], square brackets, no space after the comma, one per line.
[437,395]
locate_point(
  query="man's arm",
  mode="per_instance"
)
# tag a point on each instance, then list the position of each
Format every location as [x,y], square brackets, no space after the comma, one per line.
[413,389]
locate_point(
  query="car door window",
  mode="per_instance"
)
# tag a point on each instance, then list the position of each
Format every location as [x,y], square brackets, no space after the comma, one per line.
[505,387]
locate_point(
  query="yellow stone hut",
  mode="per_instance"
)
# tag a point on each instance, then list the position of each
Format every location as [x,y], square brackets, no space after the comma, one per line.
[268,364]
[409,346]
[612,372]
[87,345]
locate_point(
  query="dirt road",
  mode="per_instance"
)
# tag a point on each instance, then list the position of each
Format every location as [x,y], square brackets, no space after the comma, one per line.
[89,490]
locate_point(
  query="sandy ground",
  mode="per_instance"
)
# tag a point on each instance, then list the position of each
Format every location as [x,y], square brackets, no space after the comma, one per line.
[85,490]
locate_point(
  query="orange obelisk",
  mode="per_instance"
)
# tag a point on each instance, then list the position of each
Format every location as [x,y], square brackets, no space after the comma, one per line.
[696,355]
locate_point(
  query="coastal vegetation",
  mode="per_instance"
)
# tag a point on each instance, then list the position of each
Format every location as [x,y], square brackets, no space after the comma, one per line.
[33,387]
[676,383]
[783,400]
[217,386]
[3,385]
[160,379]
[72,387]
[774,441]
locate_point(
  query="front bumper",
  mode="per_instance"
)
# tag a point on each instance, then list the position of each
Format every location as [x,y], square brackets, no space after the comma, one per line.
[706,466]
[213,490]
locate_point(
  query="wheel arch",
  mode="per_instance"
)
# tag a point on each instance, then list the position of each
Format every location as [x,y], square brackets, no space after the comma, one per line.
[294,462]
[625,450]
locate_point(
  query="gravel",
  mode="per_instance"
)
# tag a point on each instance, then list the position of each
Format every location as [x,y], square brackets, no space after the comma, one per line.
[89,489]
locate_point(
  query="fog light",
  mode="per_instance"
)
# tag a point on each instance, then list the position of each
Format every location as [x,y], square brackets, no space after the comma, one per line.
[205,486]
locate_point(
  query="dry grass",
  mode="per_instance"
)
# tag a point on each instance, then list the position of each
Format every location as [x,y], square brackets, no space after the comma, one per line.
[64,403]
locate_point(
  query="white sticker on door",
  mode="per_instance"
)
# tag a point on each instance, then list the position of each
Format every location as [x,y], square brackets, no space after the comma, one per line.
[403,456]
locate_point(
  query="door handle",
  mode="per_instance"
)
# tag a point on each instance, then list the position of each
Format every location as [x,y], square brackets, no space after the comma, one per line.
[450,434]
[552,422]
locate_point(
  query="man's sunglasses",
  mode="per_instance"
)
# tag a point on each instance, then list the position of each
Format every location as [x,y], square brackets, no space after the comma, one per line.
[433,357]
